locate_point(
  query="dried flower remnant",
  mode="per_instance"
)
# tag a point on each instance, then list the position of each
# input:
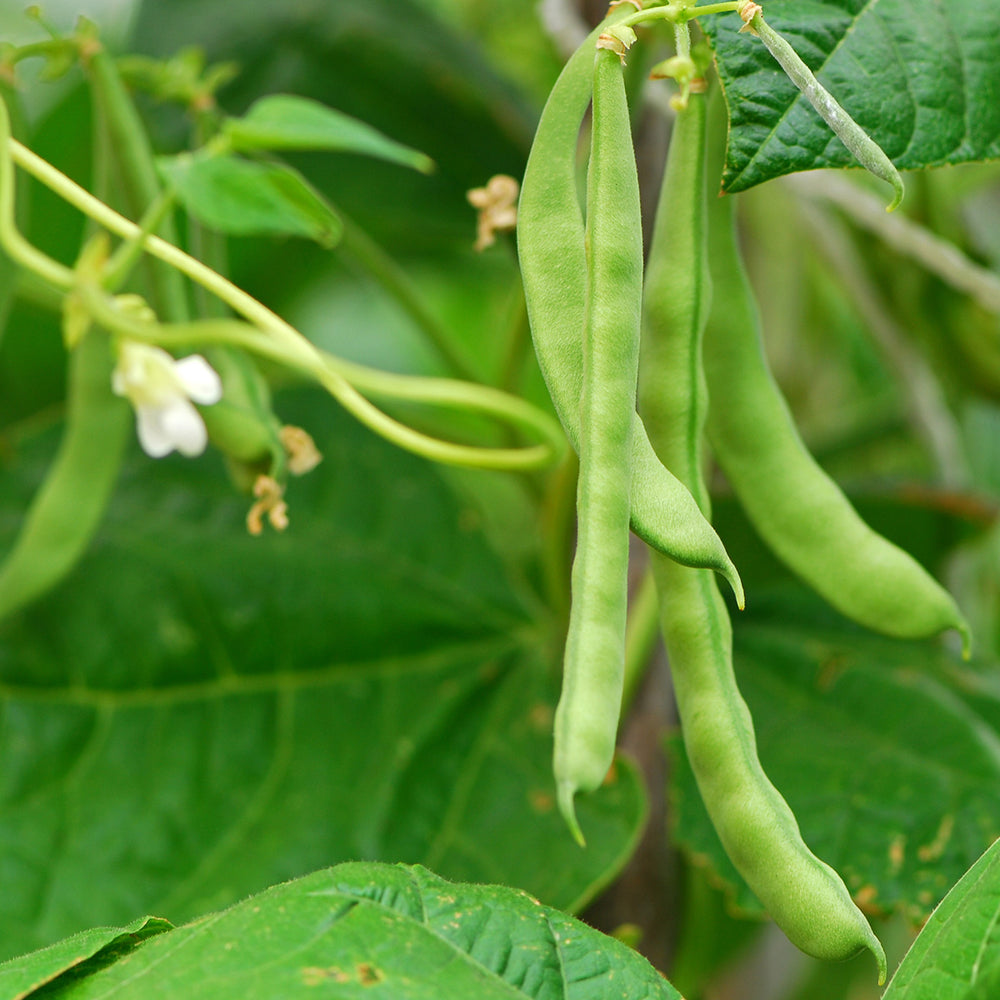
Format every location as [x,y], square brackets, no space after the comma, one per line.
[270,502]
[303,455]
[748,11]
[497,204]
[619,38]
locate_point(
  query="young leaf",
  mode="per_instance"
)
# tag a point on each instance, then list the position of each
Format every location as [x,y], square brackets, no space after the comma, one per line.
[372,929]
[245,198]
[284,121]
[957,955]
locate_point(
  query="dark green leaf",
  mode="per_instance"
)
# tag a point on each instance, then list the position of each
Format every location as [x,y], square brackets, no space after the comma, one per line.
[284,121]
[390,63]
[22,976]
[897,789]
[362,930]
[196,714]
[245,198]
[957,955]
[919,76]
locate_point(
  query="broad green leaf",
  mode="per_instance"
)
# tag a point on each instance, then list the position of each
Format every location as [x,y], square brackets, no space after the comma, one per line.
[360,930]
[957,954]
[20,977]
[195,714]
[245,198]
[390,63]
[284,121]
[919,76]
[889,765]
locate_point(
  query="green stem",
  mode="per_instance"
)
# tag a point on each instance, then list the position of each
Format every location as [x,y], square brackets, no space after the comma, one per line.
[16,246]
[124,259]
[641,633]
[715,8]
[208,245]
[273,338]
[453,394]
[517,343]
[378,264]
[679,12]
[134,157]
[330,373]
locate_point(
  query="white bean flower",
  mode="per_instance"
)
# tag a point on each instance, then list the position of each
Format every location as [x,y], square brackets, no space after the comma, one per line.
[162,389]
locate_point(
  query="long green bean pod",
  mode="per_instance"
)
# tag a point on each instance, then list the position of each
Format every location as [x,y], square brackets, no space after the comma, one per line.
[67,508]
[797,509]
[804,896]
[550,239]
[586,723]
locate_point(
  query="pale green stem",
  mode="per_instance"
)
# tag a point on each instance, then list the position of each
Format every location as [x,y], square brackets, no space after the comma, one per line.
[679,13]
[682,39]
[358,246]
[454,394]
[16,246]
[938,255]
[124,259]
[282,343]
[714,8]
[133,155]
[330,373]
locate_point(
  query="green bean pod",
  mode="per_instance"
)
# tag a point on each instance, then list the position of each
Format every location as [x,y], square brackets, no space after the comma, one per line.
[797,509]
[67,508]
[242,424]
[586,723]
[550,239]
[863,147]
[804,896]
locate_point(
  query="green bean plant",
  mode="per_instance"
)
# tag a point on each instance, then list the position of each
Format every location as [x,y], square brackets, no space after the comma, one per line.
[328,607]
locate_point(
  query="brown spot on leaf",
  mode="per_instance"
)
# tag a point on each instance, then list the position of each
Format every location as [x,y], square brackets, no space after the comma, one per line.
[369,975]
[314,975]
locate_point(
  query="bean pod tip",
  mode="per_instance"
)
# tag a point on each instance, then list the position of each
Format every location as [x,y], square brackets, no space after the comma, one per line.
[966,633]
[732,577]
[564,795]
[875,947]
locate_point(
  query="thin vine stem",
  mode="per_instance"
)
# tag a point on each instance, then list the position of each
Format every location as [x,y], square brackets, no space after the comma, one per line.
[330,373]
[679,12]
[282,343]
[358,247]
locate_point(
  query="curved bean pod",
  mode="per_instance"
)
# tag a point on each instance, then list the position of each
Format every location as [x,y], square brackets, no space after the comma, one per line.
[67,508]
[804,896]
[586,723]
[550,242]
[797,509]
